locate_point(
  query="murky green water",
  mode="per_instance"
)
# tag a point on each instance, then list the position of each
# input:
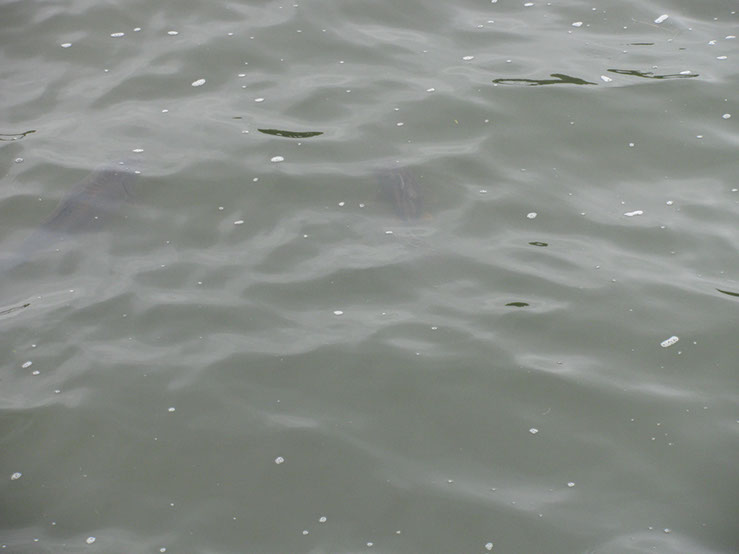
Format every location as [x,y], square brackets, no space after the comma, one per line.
[394,277]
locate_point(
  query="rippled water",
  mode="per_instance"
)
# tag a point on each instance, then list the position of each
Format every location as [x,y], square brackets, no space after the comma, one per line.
[385,276]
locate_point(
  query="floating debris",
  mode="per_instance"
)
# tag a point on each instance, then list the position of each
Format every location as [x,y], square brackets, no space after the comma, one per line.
[277,159]
[488,546]
[533,430]
[537,243]
[117,35]
[636,212]
[29,363]
[290,134]
[90,540]
[279,460]
[517,304]
[198,83]
[17,475]
[338,312]
[531,215]
[661,18]
[669,342]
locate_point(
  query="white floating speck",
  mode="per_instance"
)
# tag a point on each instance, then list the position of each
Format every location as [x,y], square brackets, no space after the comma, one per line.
[136,29]
[117,35]
[605,78]
[29,363]
[322,519]
[198,83]
[667,530]
[528,4]
[90,540]
[726,116]
[432,89]
[66,44]
[305,531]
[279,460]
[571,484]
[277,159]
[669,342]
[399,123]
[259,100]
[173,33]
[342,204]
[370,544]
[239,222]
[722,57]
[338,312]
[170,409]
[165,110]
[635,212]
[577,24]
[661,18]
[137,150]
[488,546]
[533,430]
[16,475]
[388,232]
[669,202]
[468,58]
[18,160]
[36,372]
[531,215]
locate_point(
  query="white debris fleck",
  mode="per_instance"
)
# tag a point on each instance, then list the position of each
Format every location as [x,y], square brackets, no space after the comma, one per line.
[279,460]
[338,312]
[668,530]
[722,57]
[136,29]
[259,100]
[531,215]
[432,89]
[239,222]
[388,232]
[400,124]
[36,372]
[29,363]
[66,44]
[198,83]
[661,18]
[577,24]
[305,531]
[322,519]
[605,78]
[370,544]
[669,342]
[173,33]
[571,484]
[635,212]
[18,160]
[468,58]
[533,430]
[277,159]
[171,409]
[117,35]
[90,540]
[17,475]
[726,116]
[669,202]
[488,546]
[137,150]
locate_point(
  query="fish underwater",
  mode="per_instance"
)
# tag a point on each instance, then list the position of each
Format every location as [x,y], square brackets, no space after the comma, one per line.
[90,203]
[400,188]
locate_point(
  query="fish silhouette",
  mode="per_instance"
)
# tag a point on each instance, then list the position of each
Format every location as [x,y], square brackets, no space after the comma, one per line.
[399,187]
[87,207]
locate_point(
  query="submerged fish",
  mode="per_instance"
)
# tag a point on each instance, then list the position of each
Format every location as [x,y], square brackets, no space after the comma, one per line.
[402,190]
[89,204]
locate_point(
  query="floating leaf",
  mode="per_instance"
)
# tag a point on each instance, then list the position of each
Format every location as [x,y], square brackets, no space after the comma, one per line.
[517,304]
[290,134]
[537,243]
